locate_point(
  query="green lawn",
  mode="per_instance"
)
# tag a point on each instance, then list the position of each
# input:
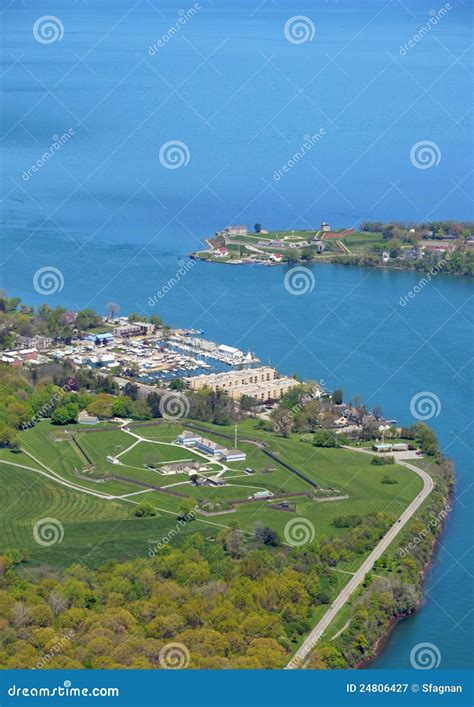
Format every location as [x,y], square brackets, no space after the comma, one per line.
[27,496]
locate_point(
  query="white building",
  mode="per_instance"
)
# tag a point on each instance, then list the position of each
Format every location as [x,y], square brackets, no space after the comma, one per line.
[233,455]
[188,439]
[236,230]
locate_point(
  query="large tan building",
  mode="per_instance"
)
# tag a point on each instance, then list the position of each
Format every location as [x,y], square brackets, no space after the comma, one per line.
[261,383]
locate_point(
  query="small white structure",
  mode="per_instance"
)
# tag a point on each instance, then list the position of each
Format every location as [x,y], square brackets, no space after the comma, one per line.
[260,494]
[325,226]
[385,256]
[112,460]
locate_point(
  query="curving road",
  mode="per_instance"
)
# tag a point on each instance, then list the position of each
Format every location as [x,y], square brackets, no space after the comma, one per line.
[311,640]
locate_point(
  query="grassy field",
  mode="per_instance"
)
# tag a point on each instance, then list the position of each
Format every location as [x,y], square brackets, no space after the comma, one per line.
[107,527]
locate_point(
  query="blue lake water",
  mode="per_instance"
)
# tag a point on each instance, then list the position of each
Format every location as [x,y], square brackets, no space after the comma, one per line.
[106,212]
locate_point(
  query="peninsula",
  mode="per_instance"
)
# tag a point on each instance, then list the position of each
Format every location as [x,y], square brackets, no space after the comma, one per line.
[444,246]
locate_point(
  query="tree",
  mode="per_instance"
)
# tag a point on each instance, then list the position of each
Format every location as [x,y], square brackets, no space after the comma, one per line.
[232,542]
[187,509]
[153,401]
[7,435]
[283,421]
[325,438]
[87,319]
[265,535]
[123,407]
[131,390]
[112,309]
[156,320]
[134,317]
[292,257]
[177,384]
[338,396]
[247,403]
[101,405]
[66,414]
[144,510]
[258,227]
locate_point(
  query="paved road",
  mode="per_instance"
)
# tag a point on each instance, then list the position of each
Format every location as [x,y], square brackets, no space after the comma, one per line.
[302,654]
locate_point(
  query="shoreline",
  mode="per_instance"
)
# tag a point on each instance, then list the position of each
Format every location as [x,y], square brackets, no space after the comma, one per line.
[383,641]
[326,261]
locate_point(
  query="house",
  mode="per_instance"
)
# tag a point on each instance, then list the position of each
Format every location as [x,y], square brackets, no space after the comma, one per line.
[188,439]
[112,460]
[276,257]
[233,455]
[221,252]
[86,419]
[325,226]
